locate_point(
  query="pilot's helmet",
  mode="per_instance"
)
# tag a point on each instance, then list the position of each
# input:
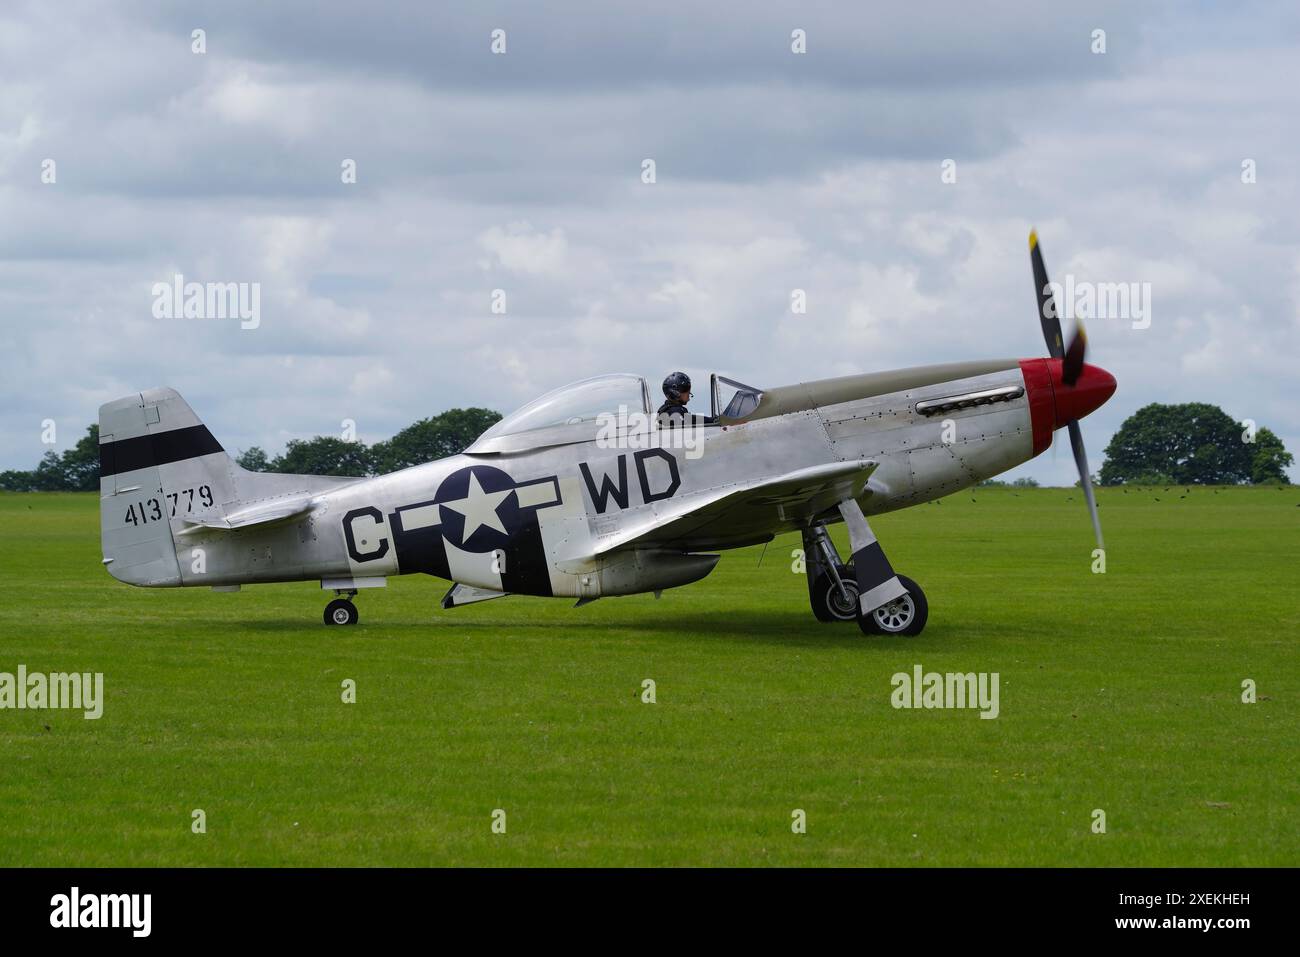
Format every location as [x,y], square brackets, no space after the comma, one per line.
[678,386]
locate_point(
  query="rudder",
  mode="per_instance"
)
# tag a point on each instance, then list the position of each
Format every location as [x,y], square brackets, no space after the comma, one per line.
[150,442]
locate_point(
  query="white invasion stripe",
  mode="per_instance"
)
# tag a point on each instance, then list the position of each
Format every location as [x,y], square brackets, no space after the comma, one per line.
[538,494]
[472,568]
[421,516]
[882,594]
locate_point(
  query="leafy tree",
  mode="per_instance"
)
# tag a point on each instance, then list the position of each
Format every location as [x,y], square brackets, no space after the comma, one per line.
[81,462]
[254,460]
[1190,444]
[450,433]
[76,470]
[48,476]
[17,480]
[323,455]
[1270,460]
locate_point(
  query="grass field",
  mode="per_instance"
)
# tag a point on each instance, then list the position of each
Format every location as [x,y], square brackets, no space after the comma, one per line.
[1119,691]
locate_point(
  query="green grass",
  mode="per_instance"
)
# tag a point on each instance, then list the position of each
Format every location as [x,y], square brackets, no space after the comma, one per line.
[1119,691]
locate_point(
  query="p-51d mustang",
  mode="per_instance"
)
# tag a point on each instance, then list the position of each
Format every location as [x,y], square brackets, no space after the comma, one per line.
[572,496]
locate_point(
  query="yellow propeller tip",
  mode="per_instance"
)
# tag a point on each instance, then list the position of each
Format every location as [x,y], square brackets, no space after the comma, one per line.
[1033,238]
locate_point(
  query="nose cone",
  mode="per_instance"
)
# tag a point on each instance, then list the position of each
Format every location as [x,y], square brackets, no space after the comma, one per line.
[1089,392]
[1052,403]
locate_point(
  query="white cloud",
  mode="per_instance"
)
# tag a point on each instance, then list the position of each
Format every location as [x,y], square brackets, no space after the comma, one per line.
[281,110]
[520,248]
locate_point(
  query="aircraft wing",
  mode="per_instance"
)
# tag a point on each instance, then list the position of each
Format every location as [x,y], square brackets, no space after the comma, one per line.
[744,512]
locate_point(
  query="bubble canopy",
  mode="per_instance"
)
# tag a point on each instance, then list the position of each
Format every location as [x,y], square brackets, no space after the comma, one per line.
[575,404]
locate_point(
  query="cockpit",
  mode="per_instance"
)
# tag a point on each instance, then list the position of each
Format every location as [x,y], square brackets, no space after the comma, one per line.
[742,400]
[579,411]
[583,401]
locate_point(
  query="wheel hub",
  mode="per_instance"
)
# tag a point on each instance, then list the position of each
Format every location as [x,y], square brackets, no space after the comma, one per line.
[896,615]
[844,606]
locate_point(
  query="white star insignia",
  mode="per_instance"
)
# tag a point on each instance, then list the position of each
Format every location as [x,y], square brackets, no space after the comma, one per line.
[479,508]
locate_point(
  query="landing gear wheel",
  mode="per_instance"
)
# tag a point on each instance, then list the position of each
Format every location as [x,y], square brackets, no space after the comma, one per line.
[906,615]
[341,612]
[828,602]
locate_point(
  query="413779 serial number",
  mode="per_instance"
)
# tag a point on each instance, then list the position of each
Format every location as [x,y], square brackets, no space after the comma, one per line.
[144,511]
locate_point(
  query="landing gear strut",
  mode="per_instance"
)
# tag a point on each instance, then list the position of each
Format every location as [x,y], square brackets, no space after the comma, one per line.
[866,589]
[341,611]
[832,589]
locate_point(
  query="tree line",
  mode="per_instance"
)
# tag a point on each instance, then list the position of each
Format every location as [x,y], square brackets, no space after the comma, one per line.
[453,431]
[1189,444]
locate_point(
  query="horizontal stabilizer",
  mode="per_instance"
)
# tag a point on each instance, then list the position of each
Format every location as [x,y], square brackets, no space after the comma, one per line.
[263,514]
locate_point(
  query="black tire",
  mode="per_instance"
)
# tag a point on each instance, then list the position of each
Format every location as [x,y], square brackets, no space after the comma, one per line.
[904,616]
[827,601]
[341,612]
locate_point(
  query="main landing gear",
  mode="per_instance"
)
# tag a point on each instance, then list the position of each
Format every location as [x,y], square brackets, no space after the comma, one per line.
[341,611]
[893,604]
[905,615]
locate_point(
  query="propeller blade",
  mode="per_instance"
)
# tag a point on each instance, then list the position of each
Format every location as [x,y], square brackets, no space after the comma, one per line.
[1047,312]
[1081,460]
[1071,368]
[1073,362]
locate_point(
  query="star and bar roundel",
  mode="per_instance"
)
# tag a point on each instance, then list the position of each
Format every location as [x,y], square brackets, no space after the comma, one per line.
[479,509]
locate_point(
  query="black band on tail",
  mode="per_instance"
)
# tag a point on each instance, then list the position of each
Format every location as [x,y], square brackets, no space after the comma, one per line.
[161,448]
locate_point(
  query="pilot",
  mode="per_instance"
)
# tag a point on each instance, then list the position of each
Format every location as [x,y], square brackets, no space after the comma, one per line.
[677,391]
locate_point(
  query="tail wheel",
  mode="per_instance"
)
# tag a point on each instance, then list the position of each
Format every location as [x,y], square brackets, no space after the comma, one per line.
[905,615]
[828,601]
[341,612]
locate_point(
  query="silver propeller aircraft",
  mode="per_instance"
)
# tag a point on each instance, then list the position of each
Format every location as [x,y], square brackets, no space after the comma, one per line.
[585,493]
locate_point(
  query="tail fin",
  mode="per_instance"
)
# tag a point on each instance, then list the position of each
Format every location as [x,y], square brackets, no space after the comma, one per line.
[157,463]
[164,478]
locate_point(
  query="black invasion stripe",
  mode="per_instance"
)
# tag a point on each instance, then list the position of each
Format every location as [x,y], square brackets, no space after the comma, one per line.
[871,566]
[161,448]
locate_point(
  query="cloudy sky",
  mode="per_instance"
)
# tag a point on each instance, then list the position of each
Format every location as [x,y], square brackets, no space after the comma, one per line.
[522,171]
